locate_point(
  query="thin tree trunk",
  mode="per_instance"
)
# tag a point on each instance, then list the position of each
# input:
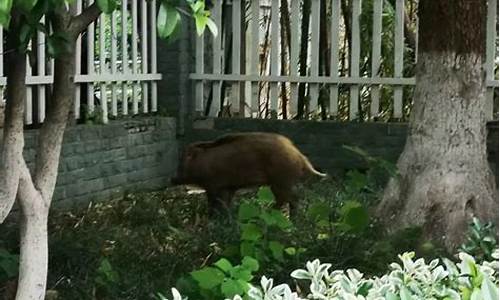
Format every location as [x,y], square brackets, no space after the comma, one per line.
[285,40]
[11,148]
[444,177]
[304,42]
[324,61]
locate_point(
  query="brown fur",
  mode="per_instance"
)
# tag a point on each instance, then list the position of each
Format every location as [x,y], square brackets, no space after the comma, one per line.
[242,160]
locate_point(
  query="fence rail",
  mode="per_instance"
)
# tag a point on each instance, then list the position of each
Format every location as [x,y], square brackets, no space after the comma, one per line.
[106,86]
[360,60]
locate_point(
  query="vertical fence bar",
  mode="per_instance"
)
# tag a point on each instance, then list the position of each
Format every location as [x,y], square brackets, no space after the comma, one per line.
[41,72]
[254,56]
[236,70]
[102,67]
[144,52]
[135,57]
[113,69]
[90,63]
[334,57]
[217,59]
[275,60]
[154,88]
[315,19]
[417,26]
[491,34]
[355,51]
[1,64]
[28,108]
[124,45]
[294,55]
[198,88]
[78,64]
[398,56]
[376,56]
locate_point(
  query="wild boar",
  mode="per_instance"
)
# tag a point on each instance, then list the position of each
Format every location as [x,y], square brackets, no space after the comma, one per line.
[243,160]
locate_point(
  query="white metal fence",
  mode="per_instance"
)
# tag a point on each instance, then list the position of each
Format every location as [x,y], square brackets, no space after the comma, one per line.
[234,69]
[116,65]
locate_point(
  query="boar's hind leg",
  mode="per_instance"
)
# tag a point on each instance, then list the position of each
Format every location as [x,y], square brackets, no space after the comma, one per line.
[284,195]
[214,205]
[226,196]
[219,200]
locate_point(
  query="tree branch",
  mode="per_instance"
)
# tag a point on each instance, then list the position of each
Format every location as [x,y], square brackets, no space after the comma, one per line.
[80,22]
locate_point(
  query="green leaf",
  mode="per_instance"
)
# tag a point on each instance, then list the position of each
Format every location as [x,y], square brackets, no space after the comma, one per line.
[198,6]
[291,251]
[247,211]
[40,9]
[201,22]
[247,249]
[224,264]
[277,250]
[489,290]
[58,44]
[240,272]
[355,215]
[280,219]
[25,33]
[106,6]
[476,295]
[230,288]
[167,21]
[107,272]
[5,7]
[212,27]
[208,277]
[405,294]
[265,195]
[250,263]
[25,5]
[267,218]
[250,232]
[318,211]
[391,296]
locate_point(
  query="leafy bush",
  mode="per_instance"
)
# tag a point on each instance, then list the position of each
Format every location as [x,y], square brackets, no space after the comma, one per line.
[481,240]
[409,279]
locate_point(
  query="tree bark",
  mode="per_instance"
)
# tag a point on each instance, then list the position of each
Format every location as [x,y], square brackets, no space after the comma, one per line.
[444,177]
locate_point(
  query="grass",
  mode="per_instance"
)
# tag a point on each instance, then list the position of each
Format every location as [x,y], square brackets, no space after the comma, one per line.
[142,244]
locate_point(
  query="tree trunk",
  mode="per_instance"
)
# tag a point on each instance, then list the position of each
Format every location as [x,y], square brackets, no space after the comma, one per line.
[35,194]
[444,177]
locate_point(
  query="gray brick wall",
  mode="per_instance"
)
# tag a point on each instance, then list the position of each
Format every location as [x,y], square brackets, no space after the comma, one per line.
[101,162]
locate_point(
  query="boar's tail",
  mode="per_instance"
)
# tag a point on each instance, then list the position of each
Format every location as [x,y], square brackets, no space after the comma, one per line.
[310,169]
